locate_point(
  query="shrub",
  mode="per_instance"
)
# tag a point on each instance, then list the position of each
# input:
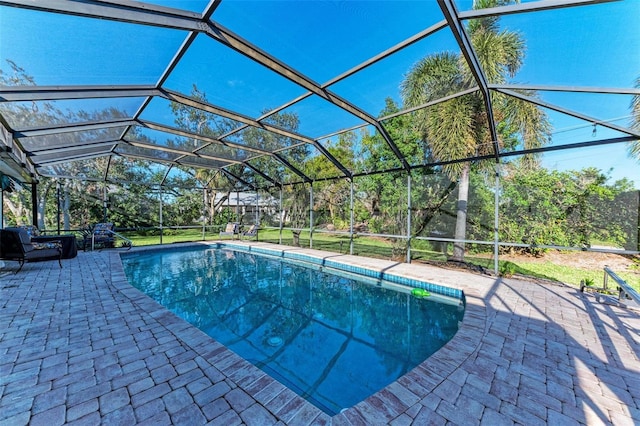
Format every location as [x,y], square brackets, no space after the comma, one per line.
[508,269]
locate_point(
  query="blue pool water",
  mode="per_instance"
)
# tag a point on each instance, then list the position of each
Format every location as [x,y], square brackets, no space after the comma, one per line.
[329,338]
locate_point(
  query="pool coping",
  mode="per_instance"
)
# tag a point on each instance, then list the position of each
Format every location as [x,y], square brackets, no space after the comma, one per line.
[388,403]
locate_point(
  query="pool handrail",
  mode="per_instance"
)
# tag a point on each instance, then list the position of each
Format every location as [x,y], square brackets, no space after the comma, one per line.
[625,291]
[109,231]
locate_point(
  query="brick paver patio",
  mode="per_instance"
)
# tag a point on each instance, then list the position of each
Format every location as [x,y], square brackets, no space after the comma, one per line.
[78,345]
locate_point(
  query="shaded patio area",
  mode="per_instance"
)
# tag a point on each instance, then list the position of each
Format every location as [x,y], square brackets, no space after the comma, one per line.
[79,345]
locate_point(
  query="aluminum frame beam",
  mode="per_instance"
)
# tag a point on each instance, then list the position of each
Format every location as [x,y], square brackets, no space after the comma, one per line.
[133,12]
[47,158]
[431,103]
[190,161]
[451,15]
[586,144]
[239,179]
[182,50]
[69,128]
[292,167]
[264,176]
[205,106]
[75,145]
[408,42]
[226,37]
[105,175]
[211,140]
[181,152]
[87,179]
[183,133]
[13,152]
[527,7]
[36,152]
[76,158]
[572,113]
[540,150]
[55,93]
[122,11]
[146,158]
[195,23]
[186,100]
[572,89]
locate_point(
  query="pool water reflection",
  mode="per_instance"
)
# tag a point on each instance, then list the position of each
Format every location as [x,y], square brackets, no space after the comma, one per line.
[327,337]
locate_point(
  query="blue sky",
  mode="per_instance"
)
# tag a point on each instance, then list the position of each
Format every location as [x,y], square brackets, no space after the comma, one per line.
[593,46]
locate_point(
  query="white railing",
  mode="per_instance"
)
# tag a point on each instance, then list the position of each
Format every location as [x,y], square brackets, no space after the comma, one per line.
[128,241]
[626,293]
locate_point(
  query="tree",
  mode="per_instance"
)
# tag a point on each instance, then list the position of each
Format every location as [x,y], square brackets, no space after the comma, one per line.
[332,196]
[378,198]
[218,187]
[295,197]
[458,128]
[573,208]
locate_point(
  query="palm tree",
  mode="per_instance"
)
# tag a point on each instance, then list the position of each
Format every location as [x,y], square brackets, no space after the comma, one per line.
[458,128]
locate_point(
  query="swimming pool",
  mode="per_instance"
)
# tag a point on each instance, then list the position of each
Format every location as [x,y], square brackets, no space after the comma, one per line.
[330,338]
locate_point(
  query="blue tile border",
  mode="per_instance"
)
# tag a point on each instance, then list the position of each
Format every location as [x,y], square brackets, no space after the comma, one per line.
[296,257]
[371,276]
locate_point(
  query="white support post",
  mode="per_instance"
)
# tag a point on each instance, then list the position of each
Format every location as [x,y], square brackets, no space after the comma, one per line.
[238,206]
[281,217]
[105,207]
[409,217]
[496,221]
[58,207]
[204,213]
[311,215]
[257,208]
[160,192]
[351,219]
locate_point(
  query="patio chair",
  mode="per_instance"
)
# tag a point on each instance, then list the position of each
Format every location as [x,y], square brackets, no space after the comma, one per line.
[101,235]
[252,232]
[16,244]
[232,229]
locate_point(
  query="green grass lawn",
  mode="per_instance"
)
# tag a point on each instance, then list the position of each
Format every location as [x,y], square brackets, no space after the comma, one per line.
[386,249]
[170,236]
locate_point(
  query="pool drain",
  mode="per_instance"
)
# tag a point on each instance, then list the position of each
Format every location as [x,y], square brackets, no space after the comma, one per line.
[274,341]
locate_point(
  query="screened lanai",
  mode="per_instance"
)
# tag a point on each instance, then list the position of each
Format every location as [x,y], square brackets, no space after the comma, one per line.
[441,126]
[486,149]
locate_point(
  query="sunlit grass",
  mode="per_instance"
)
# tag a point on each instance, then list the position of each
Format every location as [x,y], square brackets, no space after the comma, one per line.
[573,275]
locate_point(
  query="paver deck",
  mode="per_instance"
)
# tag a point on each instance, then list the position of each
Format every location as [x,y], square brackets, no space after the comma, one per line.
[79,345]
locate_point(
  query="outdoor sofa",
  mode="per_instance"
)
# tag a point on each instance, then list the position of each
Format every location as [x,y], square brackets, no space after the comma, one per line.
[16,244]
